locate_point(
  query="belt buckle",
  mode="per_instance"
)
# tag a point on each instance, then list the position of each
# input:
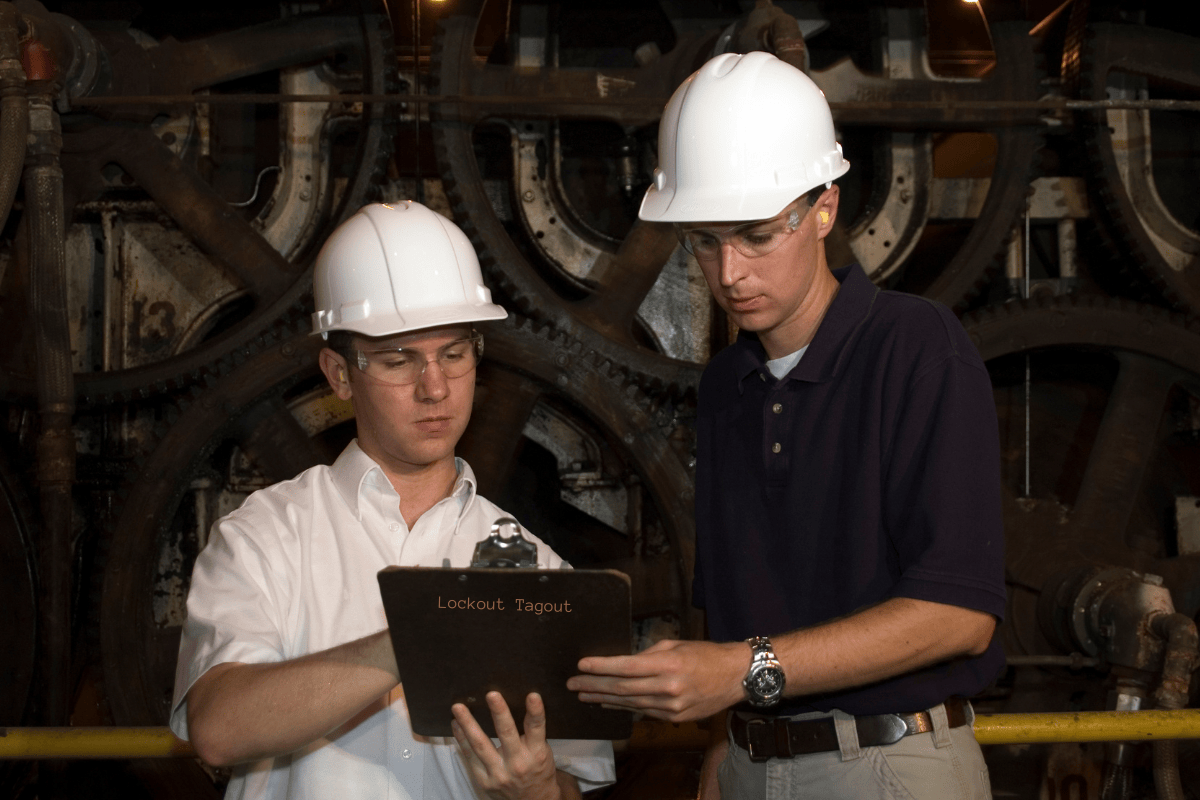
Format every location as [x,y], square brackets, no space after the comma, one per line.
[894,727]
[760,739]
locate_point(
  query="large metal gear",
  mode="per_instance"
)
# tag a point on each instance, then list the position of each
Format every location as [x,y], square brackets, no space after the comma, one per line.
[166,248]
[559,267]
[1108,421]
[1101,479]
[906,197]
[1149,209]
[605,320]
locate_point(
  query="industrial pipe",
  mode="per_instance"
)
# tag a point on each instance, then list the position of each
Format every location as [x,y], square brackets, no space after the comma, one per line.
[788,41]
[14,114]
[44,217]
[1179,660]
[768,27]
[80,64]
[1129,618]
[1077,726]
[1129,695]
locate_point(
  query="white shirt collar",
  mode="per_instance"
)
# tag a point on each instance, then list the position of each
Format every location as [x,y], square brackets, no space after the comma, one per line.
[354,470]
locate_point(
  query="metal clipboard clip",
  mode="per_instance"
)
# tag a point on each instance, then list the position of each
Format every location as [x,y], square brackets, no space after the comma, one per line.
[500,550]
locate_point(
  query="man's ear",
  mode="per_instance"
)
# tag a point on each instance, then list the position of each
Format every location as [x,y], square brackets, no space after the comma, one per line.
[337,372]
[827,207]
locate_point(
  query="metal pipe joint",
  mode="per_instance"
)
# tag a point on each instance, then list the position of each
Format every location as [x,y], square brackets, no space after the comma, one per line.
[1107,612]
[81,64]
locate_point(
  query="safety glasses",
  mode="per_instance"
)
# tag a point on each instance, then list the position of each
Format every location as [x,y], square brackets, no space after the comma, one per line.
[751,239]
[402,366]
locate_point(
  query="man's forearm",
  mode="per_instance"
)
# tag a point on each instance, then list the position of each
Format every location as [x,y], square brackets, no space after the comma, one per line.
[245,712]
[894,637]
[686,680]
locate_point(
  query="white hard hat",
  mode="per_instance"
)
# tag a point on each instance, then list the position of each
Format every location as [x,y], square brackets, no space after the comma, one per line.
[397,268]
[741,138]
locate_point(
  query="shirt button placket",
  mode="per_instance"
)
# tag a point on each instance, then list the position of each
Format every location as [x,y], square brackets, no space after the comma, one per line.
[772,426]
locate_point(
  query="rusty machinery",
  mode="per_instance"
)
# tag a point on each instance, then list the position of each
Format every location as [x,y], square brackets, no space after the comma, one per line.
[187,230]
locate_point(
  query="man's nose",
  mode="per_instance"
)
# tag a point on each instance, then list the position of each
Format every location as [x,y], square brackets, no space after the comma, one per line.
[733,264]
[432,385]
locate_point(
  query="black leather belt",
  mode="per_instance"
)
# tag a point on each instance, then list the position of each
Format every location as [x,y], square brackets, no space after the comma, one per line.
[775,737]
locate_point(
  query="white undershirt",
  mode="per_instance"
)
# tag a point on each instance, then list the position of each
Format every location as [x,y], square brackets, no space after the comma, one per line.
[783,365]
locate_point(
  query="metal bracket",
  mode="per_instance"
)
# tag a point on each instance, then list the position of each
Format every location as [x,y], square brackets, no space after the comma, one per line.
[499,550]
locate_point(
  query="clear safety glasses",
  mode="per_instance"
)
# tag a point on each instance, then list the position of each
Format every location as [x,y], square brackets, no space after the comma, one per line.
[751,239]
[401,366]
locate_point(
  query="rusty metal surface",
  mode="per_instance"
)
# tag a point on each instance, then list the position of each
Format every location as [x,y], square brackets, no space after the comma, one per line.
[1153,354]
[1129,62]
[265,254]
[1111,382]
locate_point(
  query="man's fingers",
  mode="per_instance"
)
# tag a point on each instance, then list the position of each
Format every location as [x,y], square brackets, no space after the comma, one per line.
[625,702]
[641,665]
[502,719]
[592,685]
[464,745]
[535,721]
[472,739]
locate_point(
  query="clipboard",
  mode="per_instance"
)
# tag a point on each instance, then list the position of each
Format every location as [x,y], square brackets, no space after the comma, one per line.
[460,633]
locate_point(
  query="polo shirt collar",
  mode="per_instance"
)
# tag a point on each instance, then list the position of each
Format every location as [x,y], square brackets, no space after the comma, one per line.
[829,347]
[354,470]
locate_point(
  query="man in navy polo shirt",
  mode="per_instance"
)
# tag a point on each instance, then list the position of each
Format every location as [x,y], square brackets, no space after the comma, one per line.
[849,541]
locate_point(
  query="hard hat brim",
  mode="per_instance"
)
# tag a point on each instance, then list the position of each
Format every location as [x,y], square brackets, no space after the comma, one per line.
[414,320]
[679,205]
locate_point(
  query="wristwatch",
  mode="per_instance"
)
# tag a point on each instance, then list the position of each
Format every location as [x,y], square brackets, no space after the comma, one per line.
[764,680]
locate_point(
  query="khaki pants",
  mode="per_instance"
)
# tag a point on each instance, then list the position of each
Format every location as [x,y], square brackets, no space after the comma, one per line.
[943,764]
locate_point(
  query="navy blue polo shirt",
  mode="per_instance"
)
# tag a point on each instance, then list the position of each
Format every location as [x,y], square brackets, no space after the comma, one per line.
[871,471]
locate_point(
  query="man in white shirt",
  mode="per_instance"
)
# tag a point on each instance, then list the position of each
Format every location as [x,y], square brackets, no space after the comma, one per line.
[286,670]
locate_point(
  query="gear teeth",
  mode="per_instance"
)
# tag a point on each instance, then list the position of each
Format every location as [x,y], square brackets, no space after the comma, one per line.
[1140,270]
[508,272]
[271,319]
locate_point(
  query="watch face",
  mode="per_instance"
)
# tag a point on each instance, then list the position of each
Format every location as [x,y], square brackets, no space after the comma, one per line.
[767,682]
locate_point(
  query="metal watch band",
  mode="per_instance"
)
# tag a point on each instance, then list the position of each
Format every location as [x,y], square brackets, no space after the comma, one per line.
[763,665]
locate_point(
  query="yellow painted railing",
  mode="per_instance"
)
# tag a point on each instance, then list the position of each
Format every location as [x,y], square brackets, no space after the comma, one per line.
[34,743]
[1082,726]
[1087,726]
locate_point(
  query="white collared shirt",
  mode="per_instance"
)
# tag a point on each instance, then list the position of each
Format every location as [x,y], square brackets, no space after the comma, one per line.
[292,572]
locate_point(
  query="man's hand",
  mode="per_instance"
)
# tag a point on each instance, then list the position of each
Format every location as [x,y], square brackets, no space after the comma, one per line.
[672,680]
[523,766]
